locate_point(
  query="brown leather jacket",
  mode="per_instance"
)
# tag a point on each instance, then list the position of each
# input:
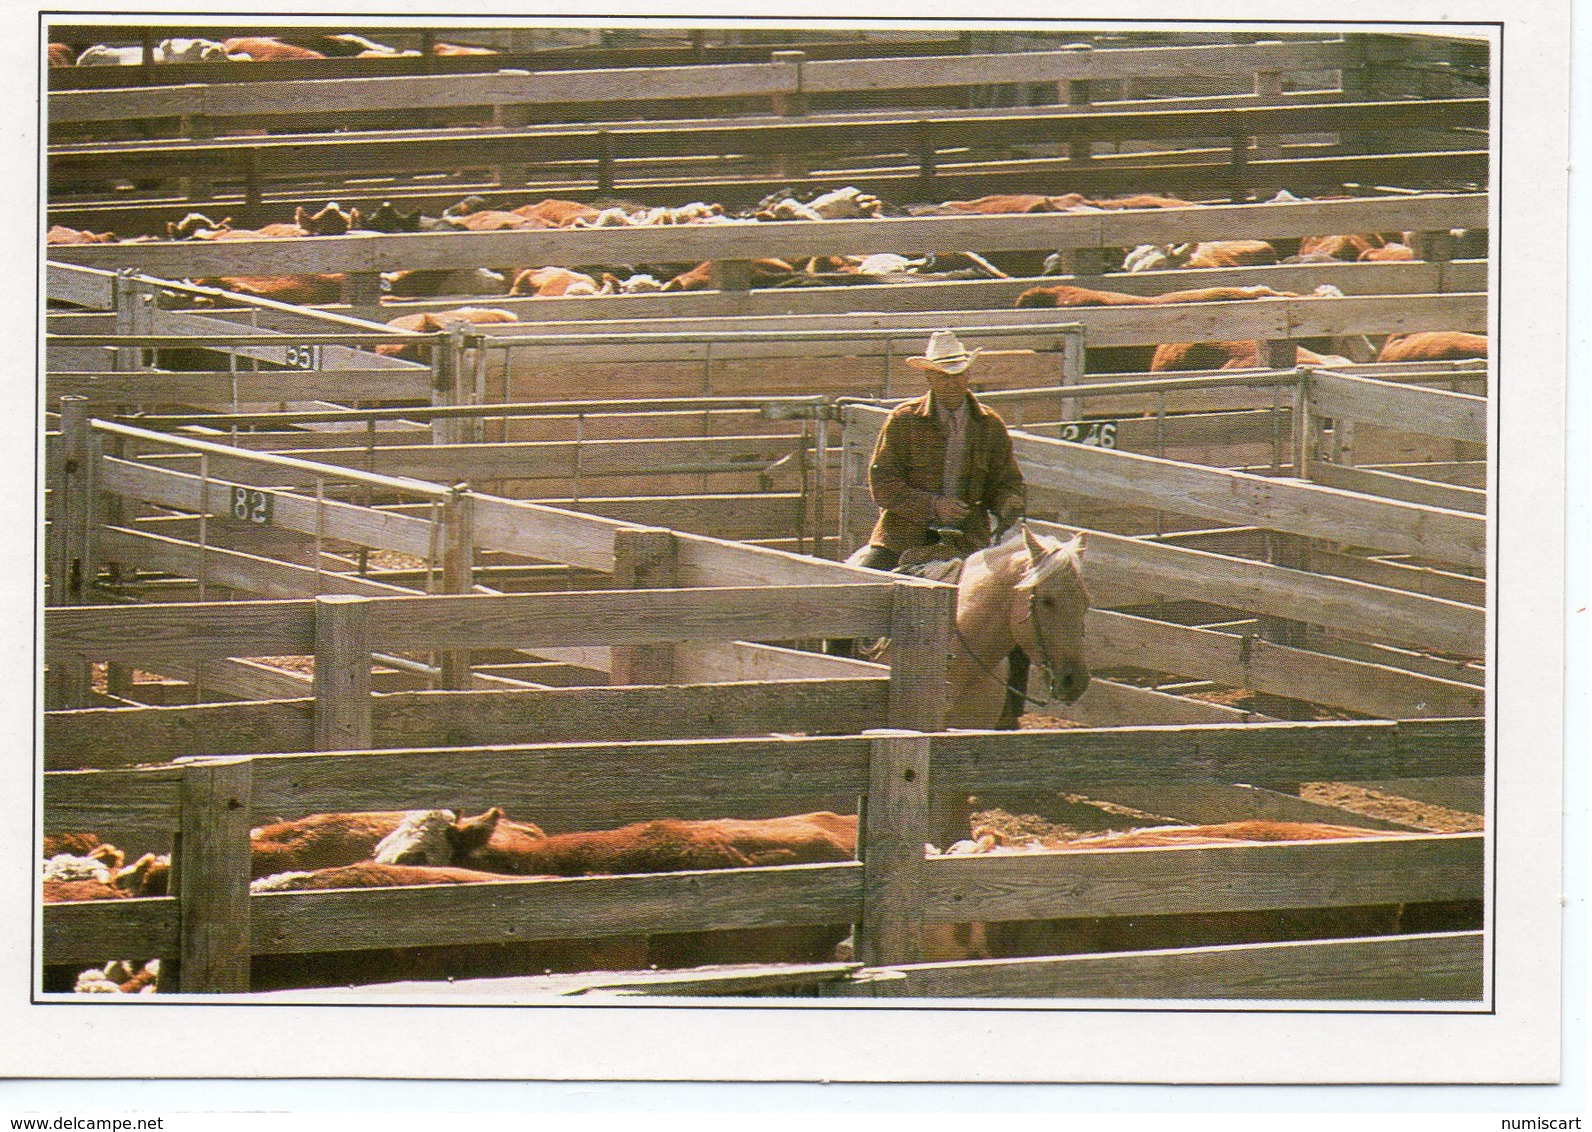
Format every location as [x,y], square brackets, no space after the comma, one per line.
[908,472]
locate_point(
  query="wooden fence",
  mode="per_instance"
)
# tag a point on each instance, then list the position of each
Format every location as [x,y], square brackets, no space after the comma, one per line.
[212,926]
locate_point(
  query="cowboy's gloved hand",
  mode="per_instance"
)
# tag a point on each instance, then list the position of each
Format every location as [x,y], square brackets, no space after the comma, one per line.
[949,510]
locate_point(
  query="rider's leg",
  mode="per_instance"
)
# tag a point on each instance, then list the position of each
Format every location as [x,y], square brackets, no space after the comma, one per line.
[872,558]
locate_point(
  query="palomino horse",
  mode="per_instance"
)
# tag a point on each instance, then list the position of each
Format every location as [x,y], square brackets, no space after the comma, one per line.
[1026,592]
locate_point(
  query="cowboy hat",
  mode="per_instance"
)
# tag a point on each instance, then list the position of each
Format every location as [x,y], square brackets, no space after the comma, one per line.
[945,354]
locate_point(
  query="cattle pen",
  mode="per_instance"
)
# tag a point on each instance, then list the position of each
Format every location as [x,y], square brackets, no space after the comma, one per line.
[578,562]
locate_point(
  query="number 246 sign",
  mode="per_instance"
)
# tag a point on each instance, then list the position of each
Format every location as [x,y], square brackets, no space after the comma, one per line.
[250,504]
[1096,434]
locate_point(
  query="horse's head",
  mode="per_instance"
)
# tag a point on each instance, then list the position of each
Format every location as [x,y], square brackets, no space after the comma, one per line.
[1048,615]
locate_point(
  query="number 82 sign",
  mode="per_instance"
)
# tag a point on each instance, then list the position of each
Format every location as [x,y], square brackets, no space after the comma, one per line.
[251,505]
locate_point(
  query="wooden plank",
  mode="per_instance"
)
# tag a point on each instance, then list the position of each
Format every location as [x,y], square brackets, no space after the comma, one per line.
[1225,753]
[1065,884]
[1245,662]
[110,737]
[367,526]
[247,573]
[189,630]
[564,715]
[1417,278]
[1445,967]
[1193,804]
[910,236]
[1388,615]
[1248,500]
[211,875]
[1406,489]
[745,661]
[895,824]
[222,390]
[717,516]
[565,908]
[1401,576]
[454,463]
[1108,703]
[244,679]
[88,931]
[520,527]
[1457,416]
[571,786]
[621,617]
[137,810]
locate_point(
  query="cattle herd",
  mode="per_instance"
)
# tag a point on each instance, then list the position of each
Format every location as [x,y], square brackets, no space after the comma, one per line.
[438,847]
[475,214]
[428,847]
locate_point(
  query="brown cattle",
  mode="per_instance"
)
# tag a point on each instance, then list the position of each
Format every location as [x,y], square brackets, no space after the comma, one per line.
[1387,253]
[454,49]
[301,290]
[553,282]
[765,272]
[493,220]
[666,845]
[60,55]
[561,213]
[268,232]
[59,234]
[368,874]
[1433,346]
[268,49]
[1004,203]
[1348,248]
[323,841]
[1065,295]
[1021,938]
[75,844]
[1171,356]
[429,322]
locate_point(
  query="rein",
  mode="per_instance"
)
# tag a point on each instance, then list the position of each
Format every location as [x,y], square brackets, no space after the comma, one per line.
[1021,693]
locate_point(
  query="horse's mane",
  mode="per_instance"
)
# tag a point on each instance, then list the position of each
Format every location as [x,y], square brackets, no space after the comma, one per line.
[1057,555]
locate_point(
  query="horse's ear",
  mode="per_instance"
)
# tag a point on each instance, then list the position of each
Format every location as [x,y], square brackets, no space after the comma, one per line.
[1036,549]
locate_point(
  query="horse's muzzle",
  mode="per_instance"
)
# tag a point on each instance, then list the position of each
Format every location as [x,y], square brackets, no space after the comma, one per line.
[1068,681]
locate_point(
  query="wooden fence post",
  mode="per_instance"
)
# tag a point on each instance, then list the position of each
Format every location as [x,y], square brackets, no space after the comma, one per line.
[458,572]
[644,558]
[893,829]
[212,877]
[792,105]
[70,559]
[922,622]
[512,116]
[1268,89]
[342,673]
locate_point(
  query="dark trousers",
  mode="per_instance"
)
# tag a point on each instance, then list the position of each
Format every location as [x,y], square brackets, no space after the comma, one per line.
[872,558]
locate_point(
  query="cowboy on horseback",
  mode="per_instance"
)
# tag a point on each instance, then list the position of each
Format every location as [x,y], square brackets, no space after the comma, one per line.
[943,468]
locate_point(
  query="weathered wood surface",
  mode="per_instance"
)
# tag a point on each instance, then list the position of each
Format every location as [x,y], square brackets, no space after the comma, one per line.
[566,908]
[895,822]
[1256,587]
[231,569]
[342,713]
[1465,793]
[1386,869]
[309,155]
[328,518]
[1427,580]
[1457,416]
[110,737]
[92,932]
[571,786]
[914,235]
[1261,666]
[190,630]
[1226,496]
[1410,278]
[222,390]
[1406,489]
[1446,967]
[1224,753]
[206,90]
[211,877]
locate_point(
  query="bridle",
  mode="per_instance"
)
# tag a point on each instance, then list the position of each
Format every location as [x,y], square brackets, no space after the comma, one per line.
[1039,639]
